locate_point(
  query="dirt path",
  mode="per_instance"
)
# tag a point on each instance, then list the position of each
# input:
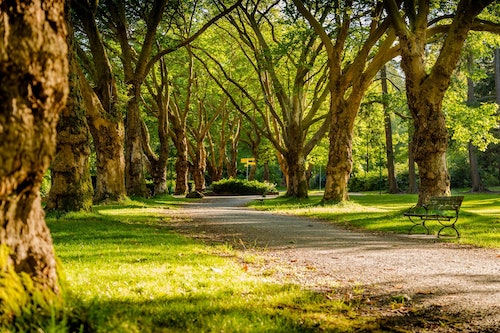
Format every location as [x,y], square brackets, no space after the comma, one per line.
[439,282]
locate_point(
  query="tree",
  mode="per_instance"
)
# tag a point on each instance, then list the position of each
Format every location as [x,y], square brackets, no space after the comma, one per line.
[389,150]
[71,188]
[425,88]
[287,67]
[33,90]
[135,71]
[103,115]
[159,90]
[352,66]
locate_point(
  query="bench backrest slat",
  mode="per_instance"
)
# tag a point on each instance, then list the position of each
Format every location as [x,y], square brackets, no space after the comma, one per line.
[445,203]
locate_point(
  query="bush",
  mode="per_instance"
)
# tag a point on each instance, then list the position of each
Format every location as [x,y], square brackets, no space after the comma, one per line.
[369,181]
[242,187]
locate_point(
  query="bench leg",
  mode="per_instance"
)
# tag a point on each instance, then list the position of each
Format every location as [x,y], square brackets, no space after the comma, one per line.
[417,223]
[448,224]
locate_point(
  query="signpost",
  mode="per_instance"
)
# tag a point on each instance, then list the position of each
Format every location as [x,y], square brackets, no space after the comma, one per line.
[248,161]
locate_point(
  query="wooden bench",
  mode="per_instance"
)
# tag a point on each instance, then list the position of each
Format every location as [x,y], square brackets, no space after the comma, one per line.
[443,209]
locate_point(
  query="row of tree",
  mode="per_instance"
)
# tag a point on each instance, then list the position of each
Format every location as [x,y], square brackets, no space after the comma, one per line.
[287,74]
[207,75]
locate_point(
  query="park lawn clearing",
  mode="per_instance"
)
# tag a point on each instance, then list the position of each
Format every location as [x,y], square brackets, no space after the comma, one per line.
[478,222]
[127,271]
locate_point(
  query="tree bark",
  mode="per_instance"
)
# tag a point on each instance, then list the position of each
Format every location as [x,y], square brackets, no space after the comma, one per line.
[339,166]
[107,134]
[103,117]
[33,90]
[199,165]
[71,188]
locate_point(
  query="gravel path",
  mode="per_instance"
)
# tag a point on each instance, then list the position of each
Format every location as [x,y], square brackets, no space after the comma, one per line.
[439,281]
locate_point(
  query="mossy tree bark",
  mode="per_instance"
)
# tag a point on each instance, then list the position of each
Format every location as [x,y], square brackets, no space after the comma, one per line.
[71,188]
[33,90]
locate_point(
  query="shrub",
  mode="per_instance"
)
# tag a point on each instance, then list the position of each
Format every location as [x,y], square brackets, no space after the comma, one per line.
[242,187]
[369,181]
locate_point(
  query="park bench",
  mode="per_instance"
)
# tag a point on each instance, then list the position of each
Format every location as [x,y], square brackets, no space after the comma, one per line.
[443,209]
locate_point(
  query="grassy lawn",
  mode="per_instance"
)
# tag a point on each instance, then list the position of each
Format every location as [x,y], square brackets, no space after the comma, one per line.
[126,271]
[478,223]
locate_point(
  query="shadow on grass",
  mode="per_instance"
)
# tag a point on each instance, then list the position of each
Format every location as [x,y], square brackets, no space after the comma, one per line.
[141,277]
[219,313]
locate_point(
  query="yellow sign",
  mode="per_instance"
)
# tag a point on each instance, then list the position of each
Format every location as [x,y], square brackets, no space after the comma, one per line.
[248,161]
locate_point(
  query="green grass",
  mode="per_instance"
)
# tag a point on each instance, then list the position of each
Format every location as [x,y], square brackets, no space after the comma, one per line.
[127,271]
[478,223]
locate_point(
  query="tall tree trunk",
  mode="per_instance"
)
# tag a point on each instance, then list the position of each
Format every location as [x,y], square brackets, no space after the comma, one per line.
[339,166]
[135,181]
[71,188]
[33,90]
[107,134]
[199,166]
[181,162]
[389,150]
[296,165]
[497,88]
[425,88]
[477,183]
[103,117]
[267,174]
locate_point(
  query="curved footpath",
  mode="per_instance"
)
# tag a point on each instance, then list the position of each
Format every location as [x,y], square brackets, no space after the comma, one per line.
[461,283]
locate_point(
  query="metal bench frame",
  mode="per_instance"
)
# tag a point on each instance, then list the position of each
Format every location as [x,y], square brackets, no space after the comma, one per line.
[443,209]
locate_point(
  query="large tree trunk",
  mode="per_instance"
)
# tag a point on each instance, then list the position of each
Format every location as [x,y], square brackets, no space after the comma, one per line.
[297,185]
[103,117]
[135,181]
[107,133]
[339,166]
[33,90]
[430,141]
[71,188]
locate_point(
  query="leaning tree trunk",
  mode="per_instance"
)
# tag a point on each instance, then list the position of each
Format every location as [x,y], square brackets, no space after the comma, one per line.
[33,90]
[71,188]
